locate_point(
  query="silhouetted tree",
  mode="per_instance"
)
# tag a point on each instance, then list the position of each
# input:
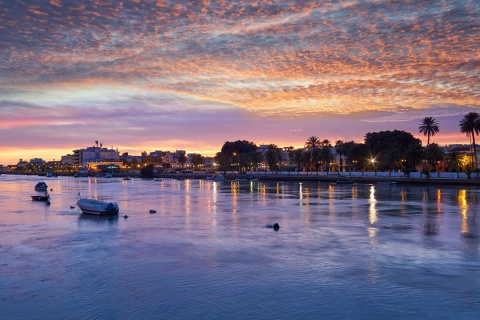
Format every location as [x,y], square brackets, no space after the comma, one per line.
[273,156]
[470,124]
[428,126]
[147,171]
[384,144]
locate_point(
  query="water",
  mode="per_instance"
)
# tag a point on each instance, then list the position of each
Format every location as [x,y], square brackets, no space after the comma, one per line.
[342,252]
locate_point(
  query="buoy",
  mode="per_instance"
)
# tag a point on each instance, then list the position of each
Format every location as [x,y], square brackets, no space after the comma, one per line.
[72,207]
[48,203]
[125,216]
[51,189]
[153,211]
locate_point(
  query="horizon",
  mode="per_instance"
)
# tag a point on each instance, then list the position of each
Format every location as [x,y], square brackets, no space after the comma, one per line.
[166,75]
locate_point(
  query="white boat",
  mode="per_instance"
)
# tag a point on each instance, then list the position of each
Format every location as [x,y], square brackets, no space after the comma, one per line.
[98,207]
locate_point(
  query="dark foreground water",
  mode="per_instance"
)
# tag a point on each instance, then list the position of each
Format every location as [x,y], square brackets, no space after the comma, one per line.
[342,252]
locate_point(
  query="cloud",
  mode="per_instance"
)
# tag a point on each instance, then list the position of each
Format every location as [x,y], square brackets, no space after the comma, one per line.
[137,62]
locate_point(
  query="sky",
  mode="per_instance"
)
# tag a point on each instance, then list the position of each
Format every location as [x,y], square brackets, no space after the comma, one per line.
[189,75]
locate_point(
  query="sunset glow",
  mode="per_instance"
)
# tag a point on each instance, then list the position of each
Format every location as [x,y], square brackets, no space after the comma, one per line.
[163,75]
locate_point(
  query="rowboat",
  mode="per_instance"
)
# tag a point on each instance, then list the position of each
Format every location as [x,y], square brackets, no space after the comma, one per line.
[98,207]
[44,197]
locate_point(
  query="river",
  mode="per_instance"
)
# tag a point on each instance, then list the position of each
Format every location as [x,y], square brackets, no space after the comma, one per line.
[358,251]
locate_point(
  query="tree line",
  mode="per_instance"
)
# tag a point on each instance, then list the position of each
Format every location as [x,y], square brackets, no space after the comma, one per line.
[384,150]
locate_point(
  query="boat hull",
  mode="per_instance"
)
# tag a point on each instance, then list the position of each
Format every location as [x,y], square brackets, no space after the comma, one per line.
[40,198]
[98,207]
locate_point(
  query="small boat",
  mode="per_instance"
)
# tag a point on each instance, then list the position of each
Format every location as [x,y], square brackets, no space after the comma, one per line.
[44,197]
[41,186]
[218,177]
[344,182]
[108,175]
[386,182]
[127,178]
[98,207]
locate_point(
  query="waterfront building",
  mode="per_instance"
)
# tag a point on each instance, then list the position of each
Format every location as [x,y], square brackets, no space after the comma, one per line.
[82,157]
[68,159]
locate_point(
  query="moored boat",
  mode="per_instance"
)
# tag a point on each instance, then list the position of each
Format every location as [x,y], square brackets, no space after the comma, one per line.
[98,207]
[43,197]
[218,177]
[41,186]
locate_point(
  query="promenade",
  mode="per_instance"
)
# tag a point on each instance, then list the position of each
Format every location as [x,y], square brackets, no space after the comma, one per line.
[437,178]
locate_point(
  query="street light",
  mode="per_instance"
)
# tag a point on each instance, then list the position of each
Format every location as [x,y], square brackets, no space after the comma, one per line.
[373,165]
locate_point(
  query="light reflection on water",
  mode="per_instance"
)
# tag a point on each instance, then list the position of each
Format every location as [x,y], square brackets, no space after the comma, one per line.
[342,252]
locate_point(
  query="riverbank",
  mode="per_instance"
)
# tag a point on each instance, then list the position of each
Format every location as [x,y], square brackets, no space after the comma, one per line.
[367,178]
[331,178]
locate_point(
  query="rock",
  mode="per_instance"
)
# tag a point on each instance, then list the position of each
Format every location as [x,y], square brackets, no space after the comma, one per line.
[275,226]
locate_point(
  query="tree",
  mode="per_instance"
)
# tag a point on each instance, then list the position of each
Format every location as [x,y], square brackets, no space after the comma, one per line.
[251,160]
[312,143]
[326,153]
[238,147]
[197,160]
[341,149]
[224,161]
[383,143]
[433,154]
[182,159]
[237,153]
[147,171]
[428,126]
[296,157]
[357,155]
[454,160]
[273,156]
[413,155]
[470,124]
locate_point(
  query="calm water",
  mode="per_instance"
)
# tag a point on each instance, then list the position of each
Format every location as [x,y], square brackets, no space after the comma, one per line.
[342,252]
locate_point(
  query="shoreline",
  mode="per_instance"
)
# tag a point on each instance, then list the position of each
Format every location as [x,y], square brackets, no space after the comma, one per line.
[329,178]
[332,178]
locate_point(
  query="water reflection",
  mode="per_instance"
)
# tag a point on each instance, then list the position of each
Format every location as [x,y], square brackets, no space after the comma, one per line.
[337,243]
[372,209]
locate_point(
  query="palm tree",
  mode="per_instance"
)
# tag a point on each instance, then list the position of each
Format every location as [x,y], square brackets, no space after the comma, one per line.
[326,153]
[312,143]
[341,149]
[428,126]
[454,160]
[434,154]
[470,124]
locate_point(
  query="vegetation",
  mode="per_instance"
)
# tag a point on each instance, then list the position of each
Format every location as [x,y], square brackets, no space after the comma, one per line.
[429,127]
[238,154]
[384,150]
[388,148]
[147,171]
[470,125]
[273,157]
[197,160]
